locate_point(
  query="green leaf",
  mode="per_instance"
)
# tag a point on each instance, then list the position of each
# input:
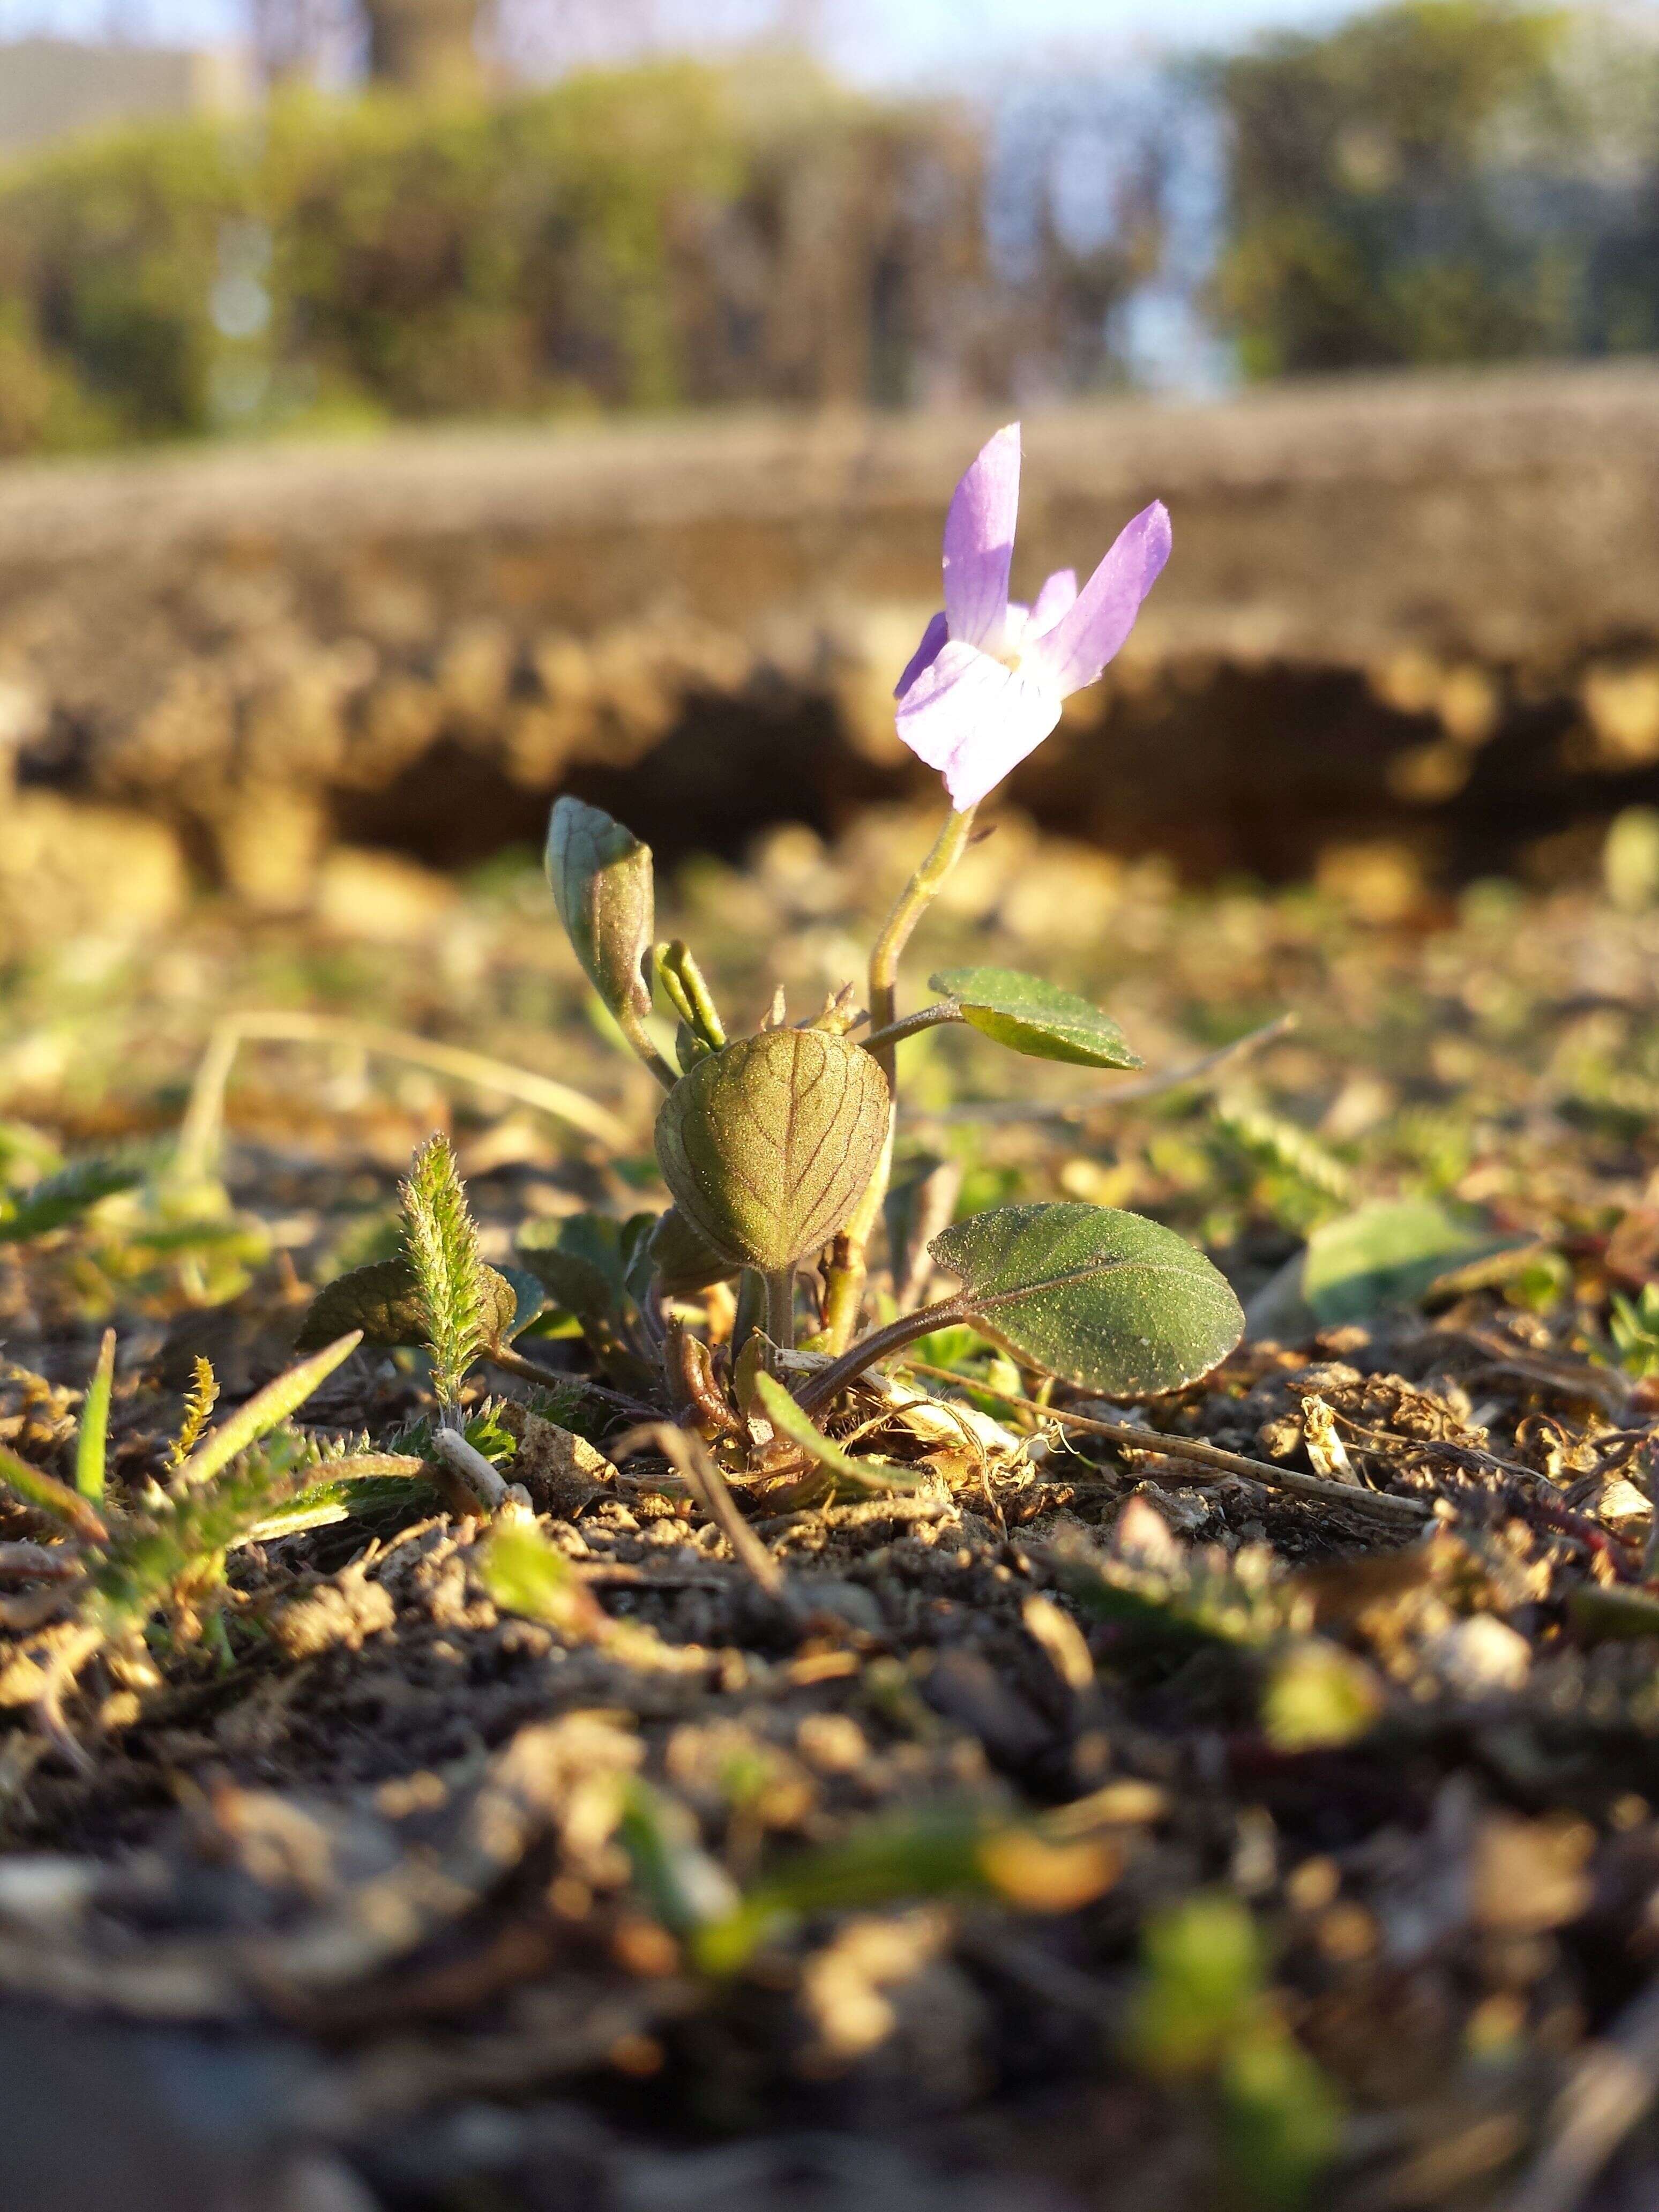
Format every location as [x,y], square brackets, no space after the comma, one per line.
[262,1412]
[62,1198]
[584,1262]
[525,1574]
[788,1418]
[1281,2118]
[1392,1253]
[48,1496]
[768,1145]
[441,1240]
[1106,1300]
[1203,1971]
[383,1301]
[1318,1696]
[92,1443]
[602,883]
[529,1302]
[1036,1017]
[684,1263]
[579,1263]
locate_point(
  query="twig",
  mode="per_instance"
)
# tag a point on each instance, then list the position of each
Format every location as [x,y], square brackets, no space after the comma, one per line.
[553,1378]
[1572,1377]
[703,1479]
[1127,1094]
[200,1133]
[39,1563]
[1611,2089]
[470,1467]
[1383,1504]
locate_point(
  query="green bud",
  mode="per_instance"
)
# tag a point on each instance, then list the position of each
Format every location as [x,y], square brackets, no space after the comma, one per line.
[602,886]
[768,1145]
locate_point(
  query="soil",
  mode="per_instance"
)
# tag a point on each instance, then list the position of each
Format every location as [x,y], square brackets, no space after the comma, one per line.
[346,1907]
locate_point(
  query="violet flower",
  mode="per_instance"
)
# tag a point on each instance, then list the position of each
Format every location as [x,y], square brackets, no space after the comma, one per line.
[985,685]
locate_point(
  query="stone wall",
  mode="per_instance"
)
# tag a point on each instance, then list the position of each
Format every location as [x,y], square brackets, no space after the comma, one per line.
[1424,610]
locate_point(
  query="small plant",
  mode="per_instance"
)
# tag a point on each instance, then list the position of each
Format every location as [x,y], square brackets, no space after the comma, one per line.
[777,1146]
[1633,1325]
[1203,2016]
[153,1565]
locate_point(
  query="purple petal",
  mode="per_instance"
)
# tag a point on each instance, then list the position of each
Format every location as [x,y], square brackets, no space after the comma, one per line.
[979,542]
[1085,638]
[925,654]
[1056,598]
[973,719]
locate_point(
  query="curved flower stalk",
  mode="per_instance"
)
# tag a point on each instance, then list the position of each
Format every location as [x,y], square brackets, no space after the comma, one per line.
[986,684]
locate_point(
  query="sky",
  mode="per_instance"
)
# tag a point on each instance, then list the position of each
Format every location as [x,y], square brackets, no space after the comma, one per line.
[871,41]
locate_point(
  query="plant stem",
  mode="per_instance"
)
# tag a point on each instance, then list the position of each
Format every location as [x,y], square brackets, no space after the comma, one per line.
[633,1028]
[912,903]
[927,1018]
[751,1310]
[827,1382]
[780,1308]
[843,1292]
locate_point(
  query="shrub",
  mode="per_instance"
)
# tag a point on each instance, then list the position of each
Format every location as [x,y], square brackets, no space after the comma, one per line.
[631,239]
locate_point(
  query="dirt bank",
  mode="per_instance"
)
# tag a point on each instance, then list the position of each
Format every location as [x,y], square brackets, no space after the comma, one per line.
[1427,606]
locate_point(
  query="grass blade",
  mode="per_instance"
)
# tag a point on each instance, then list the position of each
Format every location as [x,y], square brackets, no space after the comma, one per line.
[48,1495]
[788,1418]
[92,1443]
[263,1411]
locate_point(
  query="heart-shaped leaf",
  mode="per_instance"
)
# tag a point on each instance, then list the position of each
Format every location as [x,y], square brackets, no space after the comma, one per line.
[768,1145]
[383,1300]
[1104,1299]
[1392,1253]
[579,1262]
[1035,1017]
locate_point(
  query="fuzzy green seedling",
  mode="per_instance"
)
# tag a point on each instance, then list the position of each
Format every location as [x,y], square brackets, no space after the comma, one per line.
[262,1413]
[199,1403]
[442,1243]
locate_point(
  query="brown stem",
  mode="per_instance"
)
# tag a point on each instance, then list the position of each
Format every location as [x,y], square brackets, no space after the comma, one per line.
[827,1382]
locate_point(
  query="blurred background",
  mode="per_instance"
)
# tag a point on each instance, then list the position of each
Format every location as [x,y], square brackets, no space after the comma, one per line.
[410,407]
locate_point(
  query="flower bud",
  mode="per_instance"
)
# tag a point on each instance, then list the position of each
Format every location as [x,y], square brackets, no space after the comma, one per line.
[768,1145]
[603,888]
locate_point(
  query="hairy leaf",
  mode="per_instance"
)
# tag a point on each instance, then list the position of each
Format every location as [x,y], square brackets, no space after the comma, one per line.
[64,1197]
[768,1145]
[1104,1299]
[383,1302]
[442,1244]
[1392,1254]
[601,878]
[262,1412]
[1036,1017]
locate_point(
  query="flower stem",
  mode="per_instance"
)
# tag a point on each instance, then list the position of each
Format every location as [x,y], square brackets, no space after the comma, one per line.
[912,903]
[639,1037]
[780,1308]
[843,1293]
